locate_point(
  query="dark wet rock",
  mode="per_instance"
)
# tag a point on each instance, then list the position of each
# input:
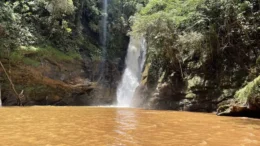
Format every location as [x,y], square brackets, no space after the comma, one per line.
[245,101]
[8,98]
[193,94]
[140,96]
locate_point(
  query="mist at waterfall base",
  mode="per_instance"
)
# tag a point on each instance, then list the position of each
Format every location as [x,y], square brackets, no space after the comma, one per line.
[134,61]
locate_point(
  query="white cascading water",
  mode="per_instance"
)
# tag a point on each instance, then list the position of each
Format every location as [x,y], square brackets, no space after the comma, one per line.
[135,60]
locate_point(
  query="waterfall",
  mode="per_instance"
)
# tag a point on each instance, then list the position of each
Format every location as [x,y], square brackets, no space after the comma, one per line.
[135,60]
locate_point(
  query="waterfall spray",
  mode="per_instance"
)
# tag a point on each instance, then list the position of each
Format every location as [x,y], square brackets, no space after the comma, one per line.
[135,60]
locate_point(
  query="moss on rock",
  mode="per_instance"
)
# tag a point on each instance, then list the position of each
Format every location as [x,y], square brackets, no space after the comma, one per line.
[251,88]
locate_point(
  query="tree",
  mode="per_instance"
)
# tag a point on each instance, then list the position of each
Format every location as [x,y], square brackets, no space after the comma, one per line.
[59,8]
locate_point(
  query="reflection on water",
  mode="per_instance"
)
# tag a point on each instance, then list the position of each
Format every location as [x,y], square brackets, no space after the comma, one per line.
[93,126]
[125,125]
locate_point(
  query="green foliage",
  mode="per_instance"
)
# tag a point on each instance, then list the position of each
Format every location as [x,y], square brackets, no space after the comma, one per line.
[55,54]
[215,36]
[169,13]
[93,14]
[31,62]
[119,13]
[68,25]
[9,26]
[251,88]
[58,8]
[162,22]
[16,57]
[33,55]
[94,51]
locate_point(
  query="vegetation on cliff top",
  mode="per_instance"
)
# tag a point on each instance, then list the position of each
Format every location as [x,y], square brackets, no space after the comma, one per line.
[219,28]
[70,25]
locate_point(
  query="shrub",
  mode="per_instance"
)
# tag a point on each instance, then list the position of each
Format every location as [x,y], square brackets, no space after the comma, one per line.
[58,8]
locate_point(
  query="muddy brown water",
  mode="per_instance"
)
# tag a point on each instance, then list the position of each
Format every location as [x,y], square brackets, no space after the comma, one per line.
[102,126]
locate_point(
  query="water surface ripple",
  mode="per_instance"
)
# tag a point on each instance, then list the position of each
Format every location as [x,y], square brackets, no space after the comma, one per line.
[104,126]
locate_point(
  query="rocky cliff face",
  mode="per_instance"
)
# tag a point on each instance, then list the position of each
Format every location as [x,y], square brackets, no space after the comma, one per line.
[60,83]
[199,84]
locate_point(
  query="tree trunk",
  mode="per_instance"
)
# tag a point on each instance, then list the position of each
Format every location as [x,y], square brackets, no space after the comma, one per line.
[18,96]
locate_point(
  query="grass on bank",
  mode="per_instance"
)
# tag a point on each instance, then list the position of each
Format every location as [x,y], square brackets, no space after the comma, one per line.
[32,55]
